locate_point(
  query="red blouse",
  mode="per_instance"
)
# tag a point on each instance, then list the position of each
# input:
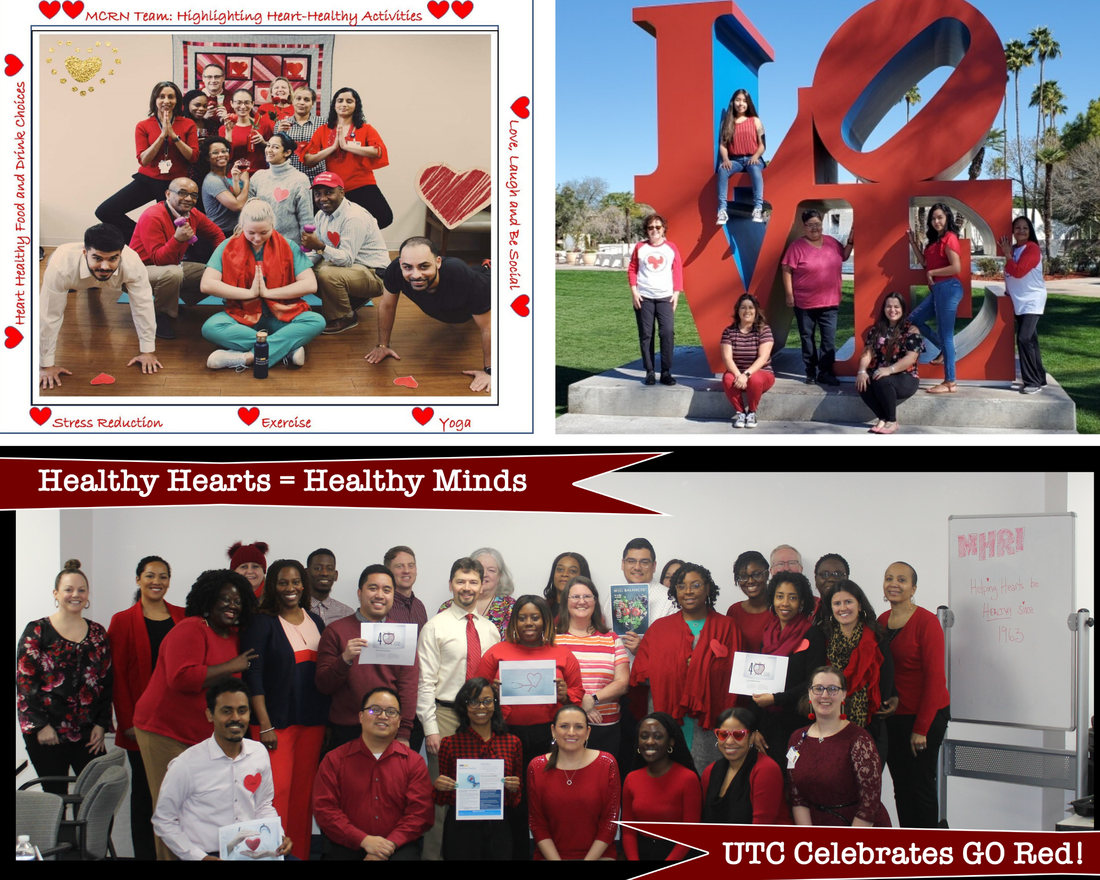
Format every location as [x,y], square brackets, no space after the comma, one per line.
[355,171]
[674,797]
[573,808]
[148,130]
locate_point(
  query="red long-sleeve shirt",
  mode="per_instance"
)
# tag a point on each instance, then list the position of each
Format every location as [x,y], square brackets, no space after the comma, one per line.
[356,794]
[155,235]
[565,666]
[575,814]
[919,675]
[674,797]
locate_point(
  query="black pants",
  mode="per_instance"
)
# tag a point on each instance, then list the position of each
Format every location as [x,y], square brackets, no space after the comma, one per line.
[882,396]
[56,760]
[1027,343]
[605,738]
[371,198]
[136,193]
[535,739]
[661,310]
[141,810]
[819,359]
[915,782]
[410,852]
[416,738]
[476,839]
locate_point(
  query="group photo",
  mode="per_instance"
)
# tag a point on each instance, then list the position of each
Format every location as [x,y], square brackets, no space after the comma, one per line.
[469,685]
[264,208]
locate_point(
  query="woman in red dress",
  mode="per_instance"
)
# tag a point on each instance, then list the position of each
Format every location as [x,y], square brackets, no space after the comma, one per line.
[834,771]
[136,635]
[574,794]
[352,149]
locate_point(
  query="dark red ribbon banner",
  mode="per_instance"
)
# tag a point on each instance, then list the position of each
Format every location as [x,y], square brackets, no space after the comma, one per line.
[535,483]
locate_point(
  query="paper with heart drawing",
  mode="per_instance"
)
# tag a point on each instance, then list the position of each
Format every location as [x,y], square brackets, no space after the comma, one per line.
[758,673]
[526,682]
[251,840]
[391,644]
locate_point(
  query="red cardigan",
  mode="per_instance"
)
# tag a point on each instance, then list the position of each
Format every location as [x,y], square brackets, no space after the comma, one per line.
[919,675]
[698,689]
[155,235]
[769,807]
[133,663]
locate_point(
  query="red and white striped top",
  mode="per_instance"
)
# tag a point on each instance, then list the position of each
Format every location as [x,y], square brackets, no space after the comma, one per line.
[599,655]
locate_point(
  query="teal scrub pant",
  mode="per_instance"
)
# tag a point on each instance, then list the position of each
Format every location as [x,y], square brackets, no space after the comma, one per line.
[282,337]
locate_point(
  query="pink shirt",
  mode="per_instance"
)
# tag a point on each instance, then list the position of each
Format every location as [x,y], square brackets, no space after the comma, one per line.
[815,275]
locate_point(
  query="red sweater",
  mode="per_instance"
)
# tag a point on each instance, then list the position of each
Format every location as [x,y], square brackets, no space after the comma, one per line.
[576,814]
[148,130]
[769,807]
[674,797]
[174,703]
[355,171]
[133,664]
[751,625]
[155,235]
[566,667]
[348,684]
[919,675]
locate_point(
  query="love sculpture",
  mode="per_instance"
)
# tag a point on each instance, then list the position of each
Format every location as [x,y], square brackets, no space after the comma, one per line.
[871,61]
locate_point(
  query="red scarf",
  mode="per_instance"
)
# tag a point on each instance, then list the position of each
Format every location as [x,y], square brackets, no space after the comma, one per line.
[863,669]
[783,641]
[239,269]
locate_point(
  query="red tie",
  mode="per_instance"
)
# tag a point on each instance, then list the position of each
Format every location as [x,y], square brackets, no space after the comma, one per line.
[473,648]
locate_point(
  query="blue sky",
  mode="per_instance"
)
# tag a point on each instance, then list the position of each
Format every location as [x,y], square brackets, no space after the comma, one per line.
[606,111]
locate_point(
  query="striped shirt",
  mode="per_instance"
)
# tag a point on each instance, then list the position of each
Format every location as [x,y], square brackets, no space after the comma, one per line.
[746,346]
[599,655]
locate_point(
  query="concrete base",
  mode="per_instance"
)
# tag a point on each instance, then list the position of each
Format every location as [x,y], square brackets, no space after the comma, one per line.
[698,395]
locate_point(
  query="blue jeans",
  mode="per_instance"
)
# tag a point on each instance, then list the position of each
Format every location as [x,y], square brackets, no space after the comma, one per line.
[943,301]
[756,172]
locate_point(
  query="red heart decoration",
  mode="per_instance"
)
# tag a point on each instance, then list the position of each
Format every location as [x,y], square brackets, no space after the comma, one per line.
[454,197]
[73,9]
[407,381]
[248,416]
[334,237]
[40,415]
[519,107]
[438,9]
[237,68]
[519,305]
[103,379]
[252,782]
[14,65]
[14,337]
[421,415]
[252,843]
[281,194]
[462,8]
[802,646]
[49,10]
[294,68]
[533,678]
[718,648]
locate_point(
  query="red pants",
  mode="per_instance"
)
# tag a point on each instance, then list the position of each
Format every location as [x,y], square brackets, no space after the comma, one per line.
[759,382]
[293,766]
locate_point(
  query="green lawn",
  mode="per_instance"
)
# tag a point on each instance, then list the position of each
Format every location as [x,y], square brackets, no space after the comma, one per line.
[596,332]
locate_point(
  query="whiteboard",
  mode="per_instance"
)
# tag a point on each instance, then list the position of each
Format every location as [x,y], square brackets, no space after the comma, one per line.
[1011,588]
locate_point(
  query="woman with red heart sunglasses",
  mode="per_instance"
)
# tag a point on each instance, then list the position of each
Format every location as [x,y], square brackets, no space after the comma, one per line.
[744,786]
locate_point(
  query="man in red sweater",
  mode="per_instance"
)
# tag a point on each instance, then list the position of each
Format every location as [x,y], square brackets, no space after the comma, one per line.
[163,247]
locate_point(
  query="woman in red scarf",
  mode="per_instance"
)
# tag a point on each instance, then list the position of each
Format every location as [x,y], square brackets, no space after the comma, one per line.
[263,279]
[790,633]
[686,660]
[853,638]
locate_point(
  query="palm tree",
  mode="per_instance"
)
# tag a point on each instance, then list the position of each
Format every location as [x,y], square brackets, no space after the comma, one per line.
[1049,155]
[1004,131]
[911,98]
[1042,42]
[1049,101]
[993,140]
[1017,57]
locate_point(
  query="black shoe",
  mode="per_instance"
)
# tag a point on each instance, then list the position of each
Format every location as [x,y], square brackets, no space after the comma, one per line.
[828,379]
[811,378]
[650,379]
[666,379]
[166,326]
[357,302]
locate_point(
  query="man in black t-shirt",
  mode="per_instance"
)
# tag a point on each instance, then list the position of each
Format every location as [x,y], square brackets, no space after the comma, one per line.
[445,289]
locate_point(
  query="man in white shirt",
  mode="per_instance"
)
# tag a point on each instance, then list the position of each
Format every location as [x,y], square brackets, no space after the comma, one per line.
[448,653]
[221,781]
[104,261]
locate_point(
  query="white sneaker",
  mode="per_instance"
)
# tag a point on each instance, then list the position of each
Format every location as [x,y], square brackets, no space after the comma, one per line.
[296,357]
[723,217]
[750,420]
[757,215]
[223,360]
[739,420]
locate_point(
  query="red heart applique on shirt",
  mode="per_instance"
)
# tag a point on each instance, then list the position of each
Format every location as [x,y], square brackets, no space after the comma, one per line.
[252,782]
[334,237]
[718,648]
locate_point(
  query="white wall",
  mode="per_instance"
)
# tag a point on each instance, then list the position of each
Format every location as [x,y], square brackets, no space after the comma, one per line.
[872,519]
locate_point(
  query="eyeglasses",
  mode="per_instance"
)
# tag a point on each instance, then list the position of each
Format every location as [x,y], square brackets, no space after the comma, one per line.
[787,566]
[485,704]
[819,689]
[654,227]
[184,194]
[388,711]
[813,226]
[646,563]
[832,575]
[738,735]
[759,577]
[585,598]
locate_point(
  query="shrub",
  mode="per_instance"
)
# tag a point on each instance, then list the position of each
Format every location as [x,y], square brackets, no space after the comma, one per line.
[990,267]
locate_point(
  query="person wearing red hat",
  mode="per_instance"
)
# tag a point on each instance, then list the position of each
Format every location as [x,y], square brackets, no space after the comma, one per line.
[350,255]
[250,560]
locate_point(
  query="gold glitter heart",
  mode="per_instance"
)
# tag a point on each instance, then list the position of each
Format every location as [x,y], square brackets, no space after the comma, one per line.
[83,70]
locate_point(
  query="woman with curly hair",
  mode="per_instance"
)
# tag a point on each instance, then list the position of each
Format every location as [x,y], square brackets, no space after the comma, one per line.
[686,660]
[170,717]
[63,679]
[288,712]
[751,614]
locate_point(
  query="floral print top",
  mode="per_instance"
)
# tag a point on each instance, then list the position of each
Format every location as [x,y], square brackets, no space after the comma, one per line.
[61,683]
[887,352]
[498,612]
